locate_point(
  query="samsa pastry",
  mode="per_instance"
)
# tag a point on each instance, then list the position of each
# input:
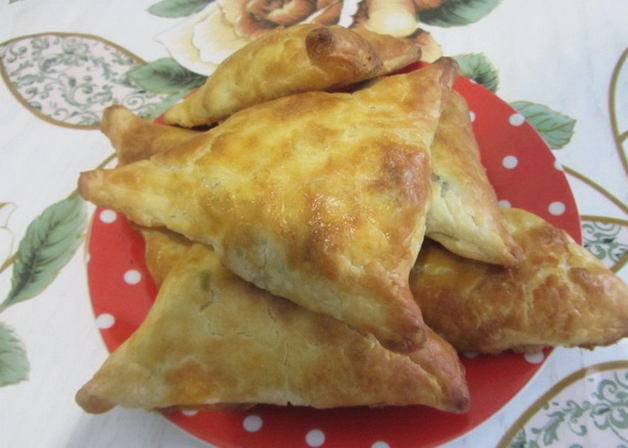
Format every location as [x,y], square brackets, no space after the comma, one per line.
[434,375]
[394,53]
[465,216]
[136,139]
[139,138]
[213,339]
[273,190]
[558,295]
[292,60]
[163,250]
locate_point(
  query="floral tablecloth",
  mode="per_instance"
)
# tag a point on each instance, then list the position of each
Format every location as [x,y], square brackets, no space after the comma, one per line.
[562,65]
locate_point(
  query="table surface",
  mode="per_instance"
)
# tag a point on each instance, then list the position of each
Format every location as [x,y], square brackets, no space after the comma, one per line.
[566,58]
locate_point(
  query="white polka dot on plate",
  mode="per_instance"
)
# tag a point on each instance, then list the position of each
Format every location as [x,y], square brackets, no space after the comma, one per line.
[108,216]
[556,208]
[516,119]
[558,165]
[380,444]
[189,412]
[510,162]
[252,423]
[470,355]
[132,277]
[504,203]
[315,437]
[105,320]
[472,115]
[535,357]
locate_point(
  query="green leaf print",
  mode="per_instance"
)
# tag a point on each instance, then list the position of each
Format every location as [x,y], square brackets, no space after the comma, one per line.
[68,79]
[519,441]
[49,243]
[555,128]
[165,75]
[177,8]
[13,363]
[458,12]
[477,67]
[549,432]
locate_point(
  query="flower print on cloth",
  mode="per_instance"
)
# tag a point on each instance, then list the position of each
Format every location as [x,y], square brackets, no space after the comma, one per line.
[587,408]
[607,239]
[402,17]
[254,17]
[47,245]
[204,40]
[68,79]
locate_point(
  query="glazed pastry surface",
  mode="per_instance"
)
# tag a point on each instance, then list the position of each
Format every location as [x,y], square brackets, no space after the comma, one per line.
[298,59]
[558,295]
[213,339]
[464,216]
[320,198]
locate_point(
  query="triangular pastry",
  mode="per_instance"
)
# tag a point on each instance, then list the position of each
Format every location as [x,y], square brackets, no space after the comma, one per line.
[273,190]
[465,216]
[558,295]
[211,338]
[163,250]
[394,53]
[291,60]
[435,376]
[139,138]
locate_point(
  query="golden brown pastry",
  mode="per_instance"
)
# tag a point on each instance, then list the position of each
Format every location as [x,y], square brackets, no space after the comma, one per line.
[139,138]
[394,53]
[559,295]
[163,250]
[136,139]
[465,216]
[292,60]
[211,338]
[435,375]
[273,190]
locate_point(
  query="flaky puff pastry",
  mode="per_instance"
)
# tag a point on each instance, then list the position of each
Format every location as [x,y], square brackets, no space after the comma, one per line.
[320,198]
[138,138]
[163,250]
[558,295]
[434,375]
[211,338]
[465,216]
[394,53]
[291,60]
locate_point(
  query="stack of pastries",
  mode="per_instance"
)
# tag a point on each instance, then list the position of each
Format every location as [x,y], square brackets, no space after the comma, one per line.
[288,239]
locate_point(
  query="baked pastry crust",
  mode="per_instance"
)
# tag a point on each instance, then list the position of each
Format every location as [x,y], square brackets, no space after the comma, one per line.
[464,216]
[431,376]
[301,58]
[163,250]
[394,53]
[558,295]
[139,138]
[211,338]
[273,190]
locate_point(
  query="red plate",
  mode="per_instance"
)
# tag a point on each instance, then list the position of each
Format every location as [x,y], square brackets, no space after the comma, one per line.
[524,173]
